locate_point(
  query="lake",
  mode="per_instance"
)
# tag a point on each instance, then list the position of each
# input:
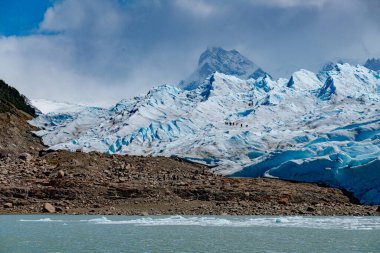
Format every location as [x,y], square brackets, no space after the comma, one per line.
[68,233]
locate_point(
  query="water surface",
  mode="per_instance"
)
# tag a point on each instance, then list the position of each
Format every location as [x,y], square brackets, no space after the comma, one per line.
[66,233]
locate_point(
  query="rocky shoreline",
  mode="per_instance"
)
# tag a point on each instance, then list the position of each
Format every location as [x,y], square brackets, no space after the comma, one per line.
[93,183]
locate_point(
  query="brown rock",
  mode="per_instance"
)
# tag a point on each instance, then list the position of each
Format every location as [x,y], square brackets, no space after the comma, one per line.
[26,157]
[284,201]
[49,208]
[76,162]
[60,174]
[8,205]
[378,209]
[3,154]
[42,152]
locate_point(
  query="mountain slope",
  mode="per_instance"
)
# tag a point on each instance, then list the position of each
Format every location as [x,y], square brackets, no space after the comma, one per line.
[15,133]
[216,59]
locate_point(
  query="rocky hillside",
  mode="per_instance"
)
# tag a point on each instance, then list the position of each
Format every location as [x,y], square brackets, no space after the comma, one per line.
[11,99]
[95,183]
[15,133]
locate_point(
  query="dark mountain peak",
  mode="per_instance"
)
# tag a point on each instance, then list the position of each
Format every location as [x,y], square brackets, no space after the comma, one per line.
[373,64]
[331,65]
[218,54]
[217,59]
[259,73]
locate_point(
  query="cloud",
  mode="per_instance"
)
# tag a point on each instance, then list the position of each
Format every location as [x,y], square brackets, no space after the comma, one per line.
[197,7]
[291,3]
[102,18]
[101,51]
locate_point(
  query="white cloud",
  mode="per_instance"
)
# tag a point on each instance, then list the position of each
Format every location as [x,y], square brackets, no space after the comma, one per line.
[40,67]
[197,7]
[290,3]
[73,16]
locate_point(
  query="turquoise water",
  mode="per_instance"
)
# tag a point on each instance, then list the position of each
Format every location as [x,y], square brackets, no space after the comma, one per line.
[66,233]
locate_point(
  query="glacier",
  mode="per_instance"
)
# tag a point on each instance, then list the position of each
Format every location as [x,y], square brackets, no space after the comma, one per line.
[322,127]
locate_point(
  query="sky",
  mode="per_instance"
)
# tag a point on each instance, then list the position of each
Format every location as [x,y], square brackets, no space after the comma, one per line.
[101,51]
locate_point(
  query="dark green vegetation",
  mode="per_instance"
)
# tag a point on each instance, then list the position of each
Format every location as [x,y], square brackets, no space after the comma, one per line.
[10,99]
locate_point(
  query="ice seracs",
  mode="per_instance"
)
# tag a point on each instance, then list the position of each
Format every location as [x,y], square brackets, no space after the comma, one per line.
[346,81]
[304,80]
[321,127]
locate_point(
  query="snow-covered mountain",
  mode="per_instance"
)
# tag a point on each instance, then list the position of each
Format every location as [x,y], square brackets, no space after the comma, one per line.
[373,64]
[216,59]
[322,127]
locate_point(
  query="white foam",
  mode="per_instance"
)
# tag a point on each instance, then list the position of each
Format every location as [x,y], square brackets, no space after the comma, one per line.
[97,220]
[346,223]
[42,220]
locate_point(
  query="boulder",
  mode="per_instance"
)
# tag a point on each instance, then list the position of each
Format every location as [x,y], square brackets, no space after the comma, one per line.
[60,174]
[97,205]
[49,208]
[8,205]
[44,152]
[4,154]
[26,157]
[284,201]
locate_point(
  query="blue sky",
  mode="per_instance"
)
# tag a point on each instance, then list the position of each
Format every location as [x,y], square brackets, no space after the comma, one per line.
[22,17]
[101,51]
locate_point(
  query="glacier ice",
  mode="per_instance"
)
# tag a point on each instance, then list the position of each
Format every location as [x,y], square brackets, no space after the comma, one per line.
[322,128]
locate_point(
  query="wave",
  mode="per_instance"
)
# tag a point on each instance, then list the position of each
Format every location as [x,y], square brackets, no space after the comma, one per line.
[345,223]
[42,220]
